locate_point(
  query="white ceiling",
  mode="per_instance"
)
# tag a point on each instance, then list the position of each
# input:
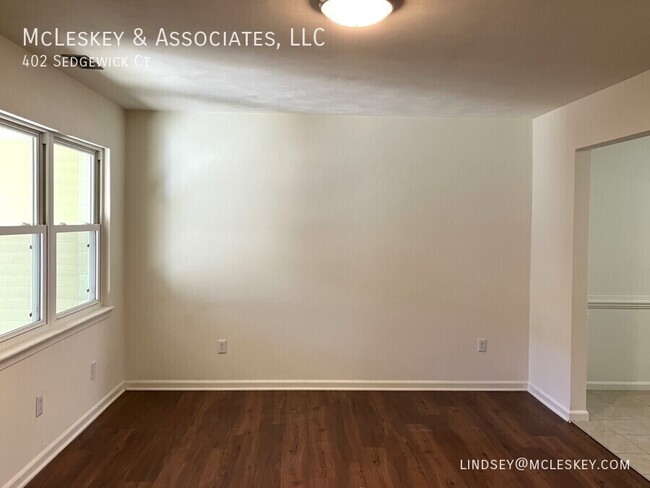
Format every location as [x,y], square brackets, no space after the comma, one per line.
[431,57]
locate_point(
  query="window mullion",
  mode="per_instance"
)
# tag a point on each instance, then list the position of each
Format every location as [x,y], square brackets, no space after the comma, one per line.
[50,236]
[39,243]
[37,276]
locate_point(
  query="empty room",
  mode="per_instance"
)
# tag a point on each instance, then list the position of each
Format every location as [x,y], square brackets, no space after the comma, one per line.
[324,243]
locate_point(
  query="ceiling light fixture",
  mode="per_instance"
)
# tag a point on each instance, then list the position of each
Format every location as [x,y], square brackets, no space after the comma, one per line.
[357,13]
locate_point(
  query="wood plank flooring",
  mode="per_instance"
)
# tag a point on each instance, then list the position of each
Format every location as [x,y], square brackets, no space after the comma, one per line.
[323,439]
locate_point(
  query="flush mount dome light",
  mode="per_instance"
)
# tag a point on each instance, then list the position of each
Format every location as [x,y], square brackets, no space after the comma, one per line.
[356,13]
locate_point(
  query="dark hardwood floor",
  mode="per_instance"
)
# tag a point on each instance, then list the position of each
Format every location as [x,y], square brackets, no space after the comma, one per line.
[325,439]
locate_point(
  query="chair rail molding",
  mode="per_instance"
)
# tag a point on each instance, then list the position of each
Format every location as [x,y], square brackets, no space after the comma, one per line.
[626,302]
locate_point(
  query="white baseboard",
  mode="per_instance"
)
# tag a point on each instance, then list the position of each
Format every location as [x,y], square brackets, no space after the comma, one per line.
[556,407]
[26,474]
[618,385]
[325,385]
[550,402]
[579,416]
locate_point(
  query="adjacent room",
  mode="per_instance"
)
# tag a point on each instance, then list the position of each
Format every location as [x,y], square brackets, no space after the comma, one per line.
[324,243]
[618,400]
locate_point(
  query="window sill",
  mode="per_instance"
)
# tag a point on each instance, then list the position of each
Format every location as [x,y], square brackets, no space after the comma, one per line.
[35,344]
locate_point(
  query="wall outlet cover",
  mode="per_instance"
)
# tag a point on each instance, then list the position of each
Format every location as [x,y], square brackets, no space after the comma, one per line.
[39,405]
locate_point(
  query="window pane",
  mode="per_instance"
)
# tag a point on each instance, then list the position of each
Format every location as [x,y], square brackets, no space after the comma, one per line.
[72,185]
[17,150]
[76,258]
[20,263]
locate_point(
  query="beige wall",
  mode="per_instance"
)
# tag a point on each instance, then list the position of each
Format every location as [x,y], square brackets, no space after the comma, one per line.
[619,342]
[619,265]
[619,221]
[327,248]
[558,308]
[62,372]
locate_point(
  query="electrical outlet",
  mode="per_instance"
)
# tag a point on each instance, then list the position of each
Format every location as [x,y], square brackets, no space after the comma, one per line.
[222,346]
[93,370]
[482,345]
[39,405]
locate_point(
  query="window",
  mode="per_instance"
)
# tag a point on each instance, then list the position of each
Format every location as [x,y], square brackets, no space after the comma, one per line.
[21,232]
[75,225]
[49,227]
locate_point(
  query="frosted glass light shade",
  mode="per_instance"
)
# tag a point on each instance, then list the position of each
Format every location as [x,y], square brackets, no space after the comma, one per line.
[356,13]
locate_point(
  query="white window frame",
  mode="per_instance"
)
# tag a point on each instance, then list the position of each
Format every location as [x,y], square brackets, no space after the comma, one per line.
[45,228]
[93,227]
[37,228]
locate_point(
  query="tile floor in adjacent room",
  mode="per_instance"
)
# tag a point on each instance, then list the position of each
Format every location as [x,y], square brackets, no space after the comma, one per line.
[620,421]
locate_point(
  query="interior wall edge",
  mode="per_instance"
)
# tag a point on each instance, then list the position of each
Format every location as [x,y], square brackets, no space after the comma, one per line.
[618,112]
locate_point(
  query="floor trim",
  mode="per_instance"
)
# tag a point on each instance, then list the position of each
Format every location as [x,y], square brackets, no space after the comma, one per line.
[144,385]
[579,416]
[618,385]
[26,474]
[556,407]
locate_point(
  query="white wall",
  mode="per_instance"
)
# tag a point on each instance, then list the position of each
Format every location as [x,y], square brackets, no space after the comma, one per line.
[619,265]
[619,345]
[327,248]
[61,371]
[619,221]
[558,330]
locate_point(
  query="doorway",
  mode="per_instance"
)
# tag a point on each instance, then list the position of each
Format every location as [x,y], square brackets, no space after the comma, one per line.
[618,351]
